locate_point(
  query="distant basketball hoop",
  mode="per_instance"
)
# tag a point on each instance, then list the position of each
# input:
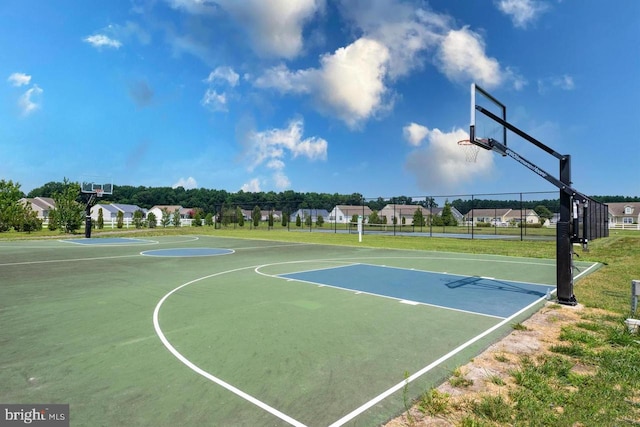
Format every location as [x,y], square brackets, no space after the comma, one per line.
[99,192]
[470,150]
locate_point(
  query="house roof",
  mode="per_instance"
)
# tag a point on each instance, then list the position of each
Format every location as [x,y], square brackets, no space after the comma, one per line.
[517,213]
[127,208]
[502,213]
[364,210]
[493,213]
[107,207]
[170,208]
[618,208]
[404,210]
[42,203]
[312,212]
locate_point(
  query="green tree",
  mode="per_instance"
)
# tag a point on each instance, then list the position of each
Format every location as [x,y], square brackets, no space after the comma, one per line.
[239,216]
[271,219]
[373,217]
[52,221]
[447,215]
[255,216]
[165,221]
[208,220]
[31,222]
[418,218]
[320,221]
[138,219]
[307,220]
[120,220]
[298,221]
[70,214]
[152,221]
[543,212]
[176,218]
[100,219]
[9,210]
[285,219]
[197,219]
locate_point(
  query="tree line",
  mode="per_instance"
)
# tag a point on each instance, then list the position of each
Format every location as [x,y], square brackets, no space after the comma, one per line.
[70,213]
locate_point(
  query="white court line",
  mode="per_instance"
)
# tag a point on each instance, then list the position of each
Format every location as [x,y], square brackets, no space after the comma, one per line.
[426,369]
[132,242]
[585,271]
[49,261]
[200,371]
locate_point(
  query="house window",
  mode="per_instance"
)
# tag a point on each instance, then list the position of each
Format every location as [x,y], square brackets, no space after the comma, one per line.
[628,210]
[627,220]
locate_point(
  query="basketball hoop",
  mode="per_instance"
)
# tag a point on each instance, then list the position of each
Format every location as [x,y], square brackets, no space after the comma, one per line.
[98,192]
[470,150]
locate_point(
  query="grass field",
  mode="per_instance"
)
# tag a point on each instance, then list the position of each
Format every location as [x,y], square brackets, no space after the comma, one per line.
[79,328]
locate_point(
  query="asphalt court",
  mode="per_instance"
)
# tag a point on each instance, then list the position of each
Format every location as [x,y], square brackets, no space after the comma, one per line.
[271,333]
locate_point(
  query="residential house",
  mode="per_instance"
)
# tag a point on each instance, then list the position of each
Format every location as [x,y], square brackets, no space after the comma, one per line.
[406,212]
[403,214]
[313,213]
[438,212]
[110,211]
[158,212]
[624,214]
[247,214]
[40,205]
[342,214]
[503,216]
[528,215]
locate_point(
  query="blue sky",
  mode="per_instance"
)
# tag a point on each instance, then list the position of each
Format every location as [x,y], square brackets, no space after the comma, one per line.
[317,95]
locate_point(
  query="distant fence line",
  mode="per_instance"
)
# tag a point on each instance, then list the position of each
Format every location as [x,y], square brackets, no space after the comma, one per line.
[478,214]
[509,214]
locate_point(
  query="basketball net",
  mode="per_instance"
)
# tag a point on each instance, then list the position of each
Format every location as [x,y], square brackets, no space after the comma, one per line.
[470,150]
[98,192]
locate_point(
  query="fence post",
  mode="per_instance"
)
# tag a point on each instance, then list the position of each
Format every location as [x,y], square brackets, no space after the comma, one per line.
[635,290]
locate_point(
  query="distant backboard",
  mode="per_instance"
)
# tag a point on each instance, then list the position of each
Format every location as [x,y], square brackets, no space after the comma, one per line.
[100,185]
[483,127]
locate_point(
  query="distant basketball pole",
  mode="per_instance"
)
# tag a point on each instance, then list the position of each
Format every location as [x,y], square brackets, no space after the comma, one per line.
[92,188]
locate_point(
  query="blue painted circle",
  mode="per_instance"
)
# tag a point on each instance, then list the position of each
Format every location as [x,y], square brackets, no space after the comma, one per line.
[187,252]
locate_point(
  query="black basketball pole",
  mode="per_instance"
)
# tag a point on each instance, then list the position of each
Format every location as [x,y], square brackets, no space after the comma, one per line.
[87,219]
[564,247]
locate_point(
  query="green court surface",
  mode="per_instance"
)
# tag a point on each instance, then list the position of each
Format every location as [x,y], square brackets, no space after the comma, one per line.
[210,331]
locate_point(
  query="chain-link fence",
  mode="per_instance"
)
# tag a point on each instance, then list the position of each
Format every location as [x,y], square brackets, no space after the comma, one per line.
[530,215]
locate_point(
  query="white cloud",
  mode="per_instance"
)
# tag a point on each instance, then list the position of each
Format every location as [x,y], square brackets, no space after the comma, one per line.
[274,27]
[186,183]
[100,40]
[252,186]
[462,57]
[415,133]
[224,75]
[281,181]
[19,79]
[349,83]
[440,165]
[30,100]
[214,101]
[564,82]
[406,31]
[269,148]
[194,6]
[522,12]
